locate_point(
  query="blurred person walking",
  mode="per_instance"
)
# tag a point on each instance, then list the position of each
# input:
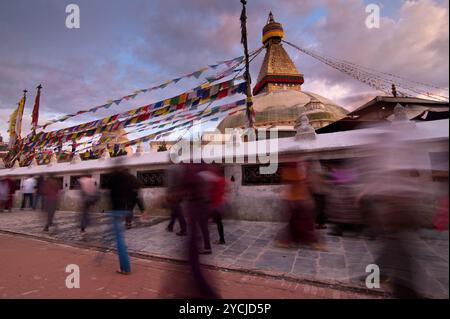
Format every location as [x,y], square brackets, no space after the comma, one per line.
[299,204]
[197,195]
[198,200]
[122,194]
[397,204]
[50,192]
[135,199]
[28,189]
[89,197]
[4,189]
[11,189]
[174,195]
[343,210]
[318,187]
[38,198]
[217,202]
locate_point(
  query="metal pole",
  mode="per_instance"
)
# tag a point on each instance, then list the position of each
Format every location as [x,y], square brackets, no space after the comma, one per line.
[247,64]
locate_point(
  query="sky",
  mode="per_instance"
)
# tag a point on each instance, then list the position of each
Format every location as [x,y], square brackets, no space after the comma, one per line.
[122,46]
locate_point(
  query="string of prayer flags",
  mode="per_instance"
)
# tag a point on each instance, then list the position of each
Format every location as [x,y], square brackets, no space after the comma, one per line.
[115,122]
[185,99]
[233,63]
[225,110]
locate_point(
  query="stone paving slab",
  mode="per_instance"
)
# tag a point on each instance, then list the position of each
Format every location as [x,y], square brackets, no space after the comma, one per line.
[251,247]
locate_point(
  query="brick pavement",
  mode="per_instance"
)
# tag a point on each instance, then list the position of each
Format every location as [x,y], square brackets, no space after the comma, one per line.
[250,247]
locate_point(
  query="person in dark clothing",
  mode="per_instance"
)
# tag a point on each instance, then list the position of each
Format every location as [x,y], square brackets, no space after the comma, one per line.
[174,196]
[136,199]
[176,213]
[122,194]
[38,197]
[197,198]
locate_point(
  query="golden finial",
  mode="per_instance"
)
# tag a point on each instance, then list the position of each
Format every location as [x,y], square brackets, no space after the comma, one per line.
[270,19]
[272,30]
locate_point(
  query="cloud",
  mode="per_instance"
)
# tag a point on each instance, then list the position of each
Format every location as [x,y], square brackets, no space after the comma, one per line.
[415,45]
[127,45]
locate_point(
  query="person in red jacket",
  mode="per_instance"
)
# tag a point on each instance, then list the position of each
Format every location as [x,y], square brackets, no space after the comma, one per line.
[50,192]
[217,199]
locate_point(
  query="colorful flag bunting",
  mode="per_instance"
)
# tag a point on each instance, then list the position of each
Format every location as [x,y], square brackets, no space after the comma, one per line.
[148,110]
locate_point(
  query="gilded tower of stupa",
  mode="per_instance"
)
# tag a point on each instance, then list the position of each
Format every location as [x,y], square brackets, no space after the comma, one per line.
[277,72]
[279,100]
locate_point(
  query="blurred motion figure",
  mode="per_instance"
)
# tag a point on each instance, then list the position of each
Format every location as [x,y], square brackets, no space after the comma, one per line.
[50,193]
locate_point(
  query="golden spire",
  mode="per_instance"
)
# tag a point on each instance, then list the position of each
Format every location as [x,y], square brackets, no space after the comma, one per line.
[270,19]
[272,30]
[277,72]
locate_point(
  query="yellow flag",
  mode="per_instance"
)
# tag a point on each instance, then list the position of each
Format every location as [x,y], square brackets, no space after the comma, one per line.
[12,122]
[18,126]
[166,102]
[134,120]
[207,111]
[12,127]
[183,98]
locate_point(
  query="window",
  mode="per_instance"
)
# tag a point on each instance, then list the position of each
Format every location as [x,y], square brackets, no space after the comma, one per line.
[252,177]
[439,166]
[150,179]
[105,180]
[439,161]
[74,182]
[17,184]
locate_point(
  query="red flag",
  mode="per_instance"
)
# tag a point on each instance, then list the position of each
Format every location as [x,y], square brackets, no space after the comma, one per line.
[35,115]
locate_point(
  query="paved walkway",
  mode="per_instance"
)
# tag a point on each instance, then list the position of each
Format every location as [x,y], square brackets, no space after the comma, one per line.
[32,268]
[250,248]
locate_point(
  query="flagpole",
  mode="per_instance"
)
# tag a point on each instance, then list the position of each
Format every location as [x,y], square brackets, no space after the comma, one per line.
[249,103]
